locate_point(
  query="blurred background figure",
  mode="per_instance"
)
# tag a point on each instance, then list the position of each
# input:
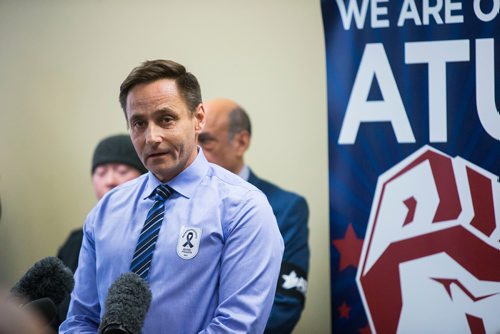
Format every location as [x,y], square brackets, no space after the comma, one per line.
[225,139]
[114,162]
[18,320]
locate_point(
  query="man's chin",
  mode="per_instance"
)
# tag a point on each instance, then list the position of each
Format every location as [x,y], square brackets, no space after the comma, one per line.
[163,173]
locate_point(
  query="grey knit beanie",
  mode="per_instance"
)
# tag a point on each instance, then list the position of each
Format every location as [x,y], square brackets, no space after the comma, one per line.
[117,149]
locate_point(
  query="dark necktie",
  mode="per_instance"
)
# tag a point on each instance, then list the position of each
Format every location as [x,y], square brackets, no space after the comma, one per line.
[141,262]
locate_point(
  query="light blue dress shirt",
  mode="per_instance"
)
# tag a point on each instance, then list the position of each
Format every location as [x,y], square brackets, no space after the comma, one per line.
[227,287]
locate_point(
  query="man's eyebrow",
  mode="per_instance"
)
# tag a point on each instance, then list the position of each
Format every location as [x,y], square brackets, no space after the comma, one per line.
[135,117]
[166,111]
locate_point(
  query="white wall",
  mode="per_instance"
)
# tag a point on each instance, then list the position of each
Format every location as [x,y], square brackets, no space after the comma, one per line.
[61,63]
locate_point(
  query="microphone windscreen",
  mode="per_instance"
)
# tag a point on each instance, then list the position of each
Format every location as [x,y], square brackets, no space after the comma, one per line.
[48,277]
[126,305]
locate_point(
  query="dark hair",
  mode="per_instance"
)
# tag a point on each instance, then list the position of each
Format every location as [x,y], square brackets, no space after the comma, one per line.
[153,70]
[239,121]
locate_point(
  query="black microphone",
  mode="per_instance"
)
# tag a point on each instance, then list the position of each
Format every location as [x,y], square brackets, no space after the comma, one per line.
[44,286]
[127,304]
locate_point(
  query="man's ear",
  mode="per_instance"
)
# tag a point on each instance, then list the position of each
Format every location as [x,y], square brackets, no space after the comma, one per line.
[241,142]
[200,118]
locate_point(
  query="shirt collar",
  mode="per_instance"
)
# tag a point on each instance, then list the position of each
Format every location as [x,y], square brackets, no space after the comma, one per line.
[186,182]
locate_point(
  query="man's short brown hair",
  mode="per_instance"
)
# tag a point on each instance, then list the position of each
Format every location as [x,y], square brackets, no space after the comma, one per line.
[153,70]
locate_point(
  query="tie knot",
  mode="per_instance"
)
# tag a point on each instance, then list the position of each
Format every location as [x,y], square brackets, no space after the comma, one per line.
[162,192]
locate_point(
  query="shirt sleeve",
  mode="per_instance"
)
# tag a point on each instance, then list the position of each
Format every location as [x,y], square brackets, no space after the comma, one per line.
[292,281]
[250,265]
[84,309]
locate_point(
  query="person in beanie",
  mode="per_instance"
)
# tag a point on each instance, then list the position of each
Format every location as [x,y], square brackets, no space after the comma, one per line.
[114,162]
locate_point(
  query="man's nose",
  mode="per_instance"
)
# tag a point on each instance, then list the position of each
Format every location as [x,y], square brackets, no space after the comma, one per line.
[111,179]
[153,134]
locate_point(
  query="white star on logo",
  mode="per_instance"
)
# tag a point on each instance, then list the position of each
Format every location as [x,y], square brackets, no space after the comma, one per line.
[293,281]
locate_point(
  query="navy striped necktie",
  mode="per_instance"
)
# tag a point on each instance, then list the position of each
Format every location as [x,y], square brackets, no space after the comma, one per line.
[141,262]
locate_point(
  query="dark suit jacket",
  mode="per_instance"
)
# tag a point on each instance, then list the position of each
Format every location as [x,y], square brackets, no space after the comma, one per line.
[292,214]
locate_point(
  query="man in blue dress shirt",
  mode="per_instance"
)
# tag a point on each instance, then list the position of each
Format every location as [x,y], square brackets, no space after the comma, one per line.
[225,139]
[227,280]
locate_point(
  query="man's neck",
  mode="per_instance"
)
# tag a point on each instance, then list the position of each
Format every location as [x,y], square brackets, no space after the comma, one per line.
[244,172]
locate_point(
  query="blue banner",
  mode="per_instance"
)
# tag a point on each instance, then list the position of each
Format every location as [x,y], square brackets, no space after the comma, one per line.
[414,159]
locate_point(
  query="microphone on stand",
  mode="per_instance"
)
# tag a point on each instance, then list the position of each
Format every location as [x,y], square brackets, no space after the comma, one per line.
[43,287]
[127,304]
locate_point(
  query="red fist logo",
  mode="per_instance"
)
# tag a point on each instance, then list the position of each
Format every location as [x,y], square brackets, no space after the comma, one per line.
[431,258]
